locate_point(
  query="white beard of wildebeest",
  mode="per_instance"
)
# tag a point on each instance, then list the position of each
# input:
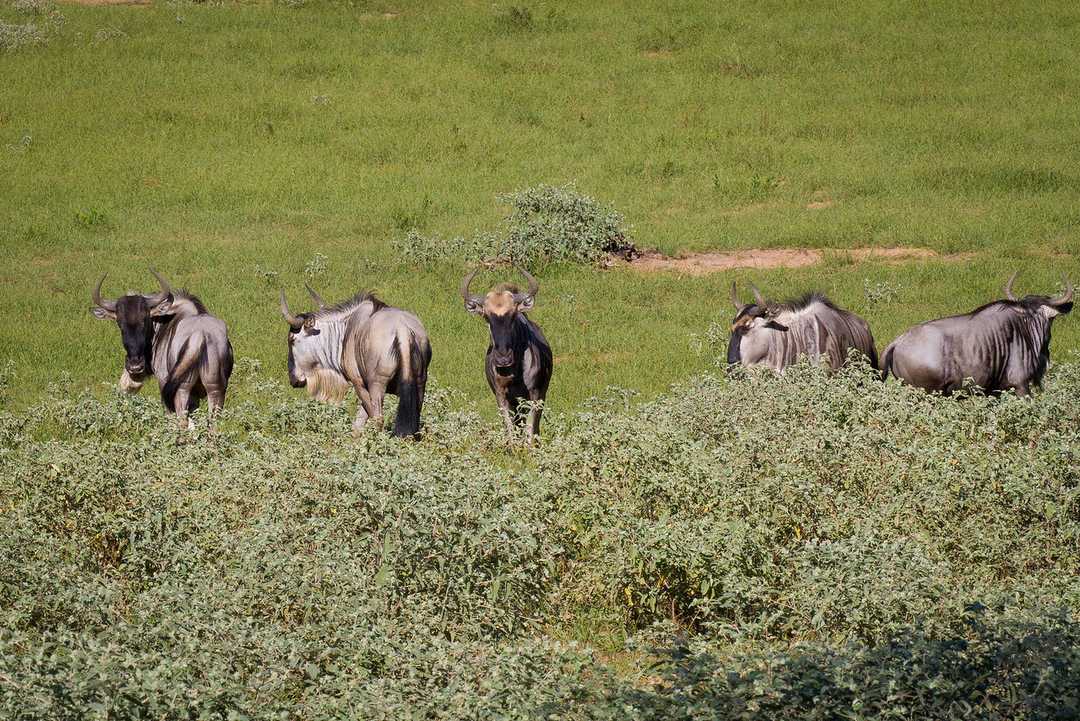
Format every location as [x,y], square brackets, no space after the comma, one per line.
[315,360]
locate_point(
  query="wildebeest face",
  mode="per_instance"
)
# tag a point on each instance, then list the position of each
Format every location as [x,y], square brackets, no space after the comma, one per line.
[500,308]
[1047,306]
[752,328]
[1052,309]
[303,352]
[134,314]
[750,334]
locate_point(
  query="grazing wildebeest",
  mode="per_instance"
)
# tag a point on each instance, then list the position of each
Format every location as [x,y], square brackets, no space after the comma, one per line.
[1000,346]
[518,363]
[171,334]
[362,342]
[777,334]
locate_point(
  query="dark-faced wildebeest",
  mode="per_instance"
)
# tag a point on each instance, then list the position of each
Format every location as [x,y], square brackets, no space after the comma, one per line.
[778,334]
[172,335]
[362,342]
[1000,346]
[518,363]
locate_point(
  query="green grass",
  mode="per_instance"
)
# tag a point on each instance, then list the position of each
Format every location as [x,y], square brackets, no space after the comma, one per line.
[213,141]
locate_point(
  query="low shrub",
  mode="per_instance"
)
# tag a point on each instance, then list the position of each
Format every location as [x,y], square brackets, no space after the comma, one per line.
[817,545]
[545,223]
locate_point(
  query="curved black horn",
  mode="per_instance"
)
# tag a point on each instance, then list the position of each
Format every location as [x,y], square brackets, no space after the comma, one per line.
[465,288]
[109,305]
[534,286]
[291,319]
[1066,296]
[163,293]
[315,296]
[1009,284]
[735,297]
[758,298]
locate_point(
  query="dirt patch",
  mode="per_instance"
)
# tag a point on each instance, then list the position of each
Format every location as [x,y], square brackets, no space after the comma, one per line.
[705,263]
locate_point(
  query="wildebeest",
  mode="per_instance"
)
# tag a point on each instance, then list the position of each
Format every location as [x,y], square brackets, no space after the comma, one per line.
[171,334]
[1000,346]
[518,363]
[777,334]
[362,342]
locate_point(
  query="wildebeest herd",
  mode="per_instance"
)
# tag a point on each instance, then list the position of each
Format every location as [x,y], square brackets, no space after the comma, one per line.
[377,349]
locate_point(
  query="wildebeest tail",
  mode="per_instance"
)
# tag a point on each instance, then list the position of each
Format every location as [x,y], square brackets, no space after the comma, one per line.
[886,362]
[187,359]
[407,423]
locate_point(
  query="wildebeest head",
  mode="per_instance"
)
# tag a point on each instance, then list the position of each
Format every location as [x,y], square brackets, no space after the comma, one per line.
[134,314]
[751,327]
[1051,307]
[500,307]
[303,342]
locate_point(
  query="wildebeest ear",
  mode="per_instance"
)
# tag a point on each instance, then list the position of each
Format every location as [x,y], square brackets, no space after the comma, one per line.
[162,308]
[474,306]
[525,302]
[1064,308]
[776,326]
[102,314]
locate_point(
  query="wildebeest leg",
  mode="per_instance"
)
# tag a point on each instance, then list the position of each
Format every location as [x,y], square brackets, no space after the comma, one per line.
[535,411]
[504,410]
[363,407]
[376,391]
[182,400]
[1022,389]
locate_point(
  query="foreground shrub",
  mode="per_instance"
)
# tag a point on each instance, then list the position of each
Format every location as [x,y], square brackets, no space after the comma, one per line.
[984,665]
[819,541]
[816,507]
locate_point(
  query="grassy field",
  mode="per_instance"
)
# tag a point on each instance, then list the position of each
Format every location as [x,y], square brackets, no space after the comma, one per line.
[803,546]
[228,145]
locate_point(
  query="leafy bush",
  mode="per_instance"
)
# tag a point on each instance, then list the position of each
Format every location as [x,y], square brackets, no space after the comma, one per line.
[989,665]
[806,506]
[546,223]
[814,544]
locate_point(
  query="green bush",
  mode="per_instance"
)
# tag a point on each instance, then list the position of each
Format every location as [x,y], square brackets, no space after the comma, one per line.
[546,223]
[806,506]
[817,543]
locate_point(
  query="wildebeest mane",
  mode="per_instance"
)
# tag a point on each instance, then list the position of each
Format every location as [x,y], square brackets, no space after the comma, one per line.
[1028,302]
[350,304]
[805,301]
[792,305]
[194,300]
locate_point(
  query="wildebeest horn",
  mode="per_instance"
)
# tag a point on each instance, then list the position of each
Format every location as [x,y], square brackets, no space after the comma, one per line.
[735,296]
[291,319]
[1008,286]
[1066,296]
[315,296]
[534,287]
[465,288]
[109,305]
[758,298]
[163,293]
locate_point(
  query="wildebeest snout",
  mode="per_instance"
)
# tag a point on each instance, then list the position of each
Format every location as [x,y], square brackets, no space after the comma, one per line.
[135,366]
[502,358]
